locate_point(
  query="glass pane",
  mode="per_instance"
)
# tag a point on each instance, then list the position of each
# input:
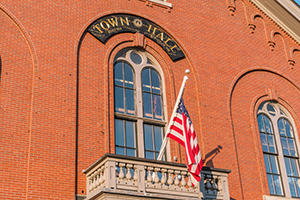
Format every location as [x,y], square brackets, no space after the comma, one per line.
[271,144]
[292,147]
[119,100]
[292,187]
[128,76]
[157,107]
[281,127]
[271,184]
[130,134]
[119,132]
[298,186]
[277,184]
[118,74]
[155,82]
[146,80]
[285,147]
[288,128]
[120,150]
[294,167]
[268,125]
[267,163]
[157,137]
[264,143]
[288,166]
[147,105]
[130,152]
[148,137]
[136,58]
[261,125]
[129,96]
[260,107]
[149,155]
[274,166]
[271,110]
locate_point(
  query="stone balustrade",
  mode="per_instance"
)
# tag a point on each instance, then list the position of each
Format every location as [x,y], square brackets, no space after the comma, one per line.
[138,178]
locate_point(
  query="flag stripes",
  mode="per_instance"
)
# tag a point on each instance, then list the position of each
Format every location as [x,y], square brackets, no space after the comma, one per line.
[182,131]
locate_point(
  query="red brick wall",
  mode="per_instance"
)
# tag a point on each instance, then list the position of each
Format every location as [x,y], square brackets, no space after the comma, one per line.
[56,89]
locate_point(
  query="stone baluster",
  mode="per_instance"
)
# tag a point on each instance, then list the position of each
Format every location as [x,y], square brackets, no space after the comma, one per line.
[170,179]
[121,174]
[90,183]
[176,182]
[156,178]
[163,176]
[103,174]
[94,180]
[99,177]
[135,177]
[149,177]
[207,184]
[183,181]
[219,184]
[214,185]
[128,174]
[189,181]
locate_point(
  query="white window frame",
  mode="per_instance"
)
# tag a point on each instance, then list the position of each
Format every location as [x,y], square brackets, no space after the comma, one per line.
[124,55]
[281,163]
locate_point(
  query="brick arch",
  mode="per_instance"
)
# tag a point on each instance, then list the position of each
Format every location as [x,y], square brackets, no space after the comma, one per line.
[95,63]
[92,20]
[248,90]
[18,65]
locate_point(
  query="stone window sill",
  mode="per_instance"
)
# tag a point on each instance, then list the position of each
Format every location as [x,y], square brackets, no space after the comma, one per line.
[164,3]
[265,197]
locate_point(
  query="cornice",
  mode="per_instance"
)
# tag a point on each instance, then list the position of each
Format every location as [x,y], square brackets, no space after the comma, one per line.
[285,13]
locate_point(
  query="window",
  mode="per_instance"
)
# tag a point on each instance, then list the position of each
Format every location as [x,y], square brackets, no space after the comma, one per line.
[278,142]
[138,100]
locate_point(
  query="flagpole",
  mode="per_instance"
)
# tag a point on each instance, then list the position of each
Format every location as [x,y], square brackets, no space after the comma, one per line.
[166,139]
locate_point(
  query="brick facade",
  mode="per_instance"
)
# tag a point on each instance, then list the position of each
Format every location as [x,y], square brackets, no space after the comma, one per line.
[56,88]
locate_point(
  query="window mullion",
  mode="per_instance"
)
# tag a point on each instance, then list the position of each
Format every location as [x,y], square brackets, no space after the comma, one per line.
[139,113]
[140,139]
[282,168]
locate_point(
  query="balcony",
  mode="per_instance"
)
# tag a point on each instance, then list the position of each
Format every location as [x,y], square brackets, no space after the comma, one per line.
[123,177]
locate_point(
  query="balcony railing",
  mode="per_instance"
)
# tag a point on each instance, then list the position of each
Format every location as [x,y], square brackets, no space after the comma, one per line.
[114,175]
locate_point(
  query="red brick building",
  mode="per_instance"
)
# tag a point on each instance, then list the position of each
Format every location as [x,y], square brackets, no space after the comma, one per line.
[81,81]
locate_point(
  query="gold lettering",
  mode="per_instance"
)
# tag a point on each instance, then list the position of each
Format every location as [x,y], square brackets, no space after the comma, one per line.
[126,22]
[167,41]
[154,31]
[98,28]
[173,48]
[107,25]
[161,35]
[112,22]
[149,28]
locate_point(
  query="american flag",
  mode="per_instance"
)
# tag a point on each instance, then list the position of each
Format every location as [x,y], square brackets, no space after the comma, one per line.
[183,132]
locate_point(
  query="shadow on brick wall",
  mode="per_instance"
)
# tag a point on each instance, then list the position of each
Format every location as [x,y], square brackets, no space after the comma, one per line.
[211,155]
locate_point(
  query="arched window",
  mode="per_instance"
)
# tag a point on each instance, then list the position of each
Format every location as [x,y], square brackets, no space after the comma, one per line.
[138,100]
[278,140]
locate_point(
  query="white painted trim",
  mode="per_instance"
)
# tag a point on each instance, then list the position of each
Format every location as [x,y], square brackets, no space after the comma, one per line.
[291,7]
[124,55]
[265,197]
[162,2]
[285,11]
